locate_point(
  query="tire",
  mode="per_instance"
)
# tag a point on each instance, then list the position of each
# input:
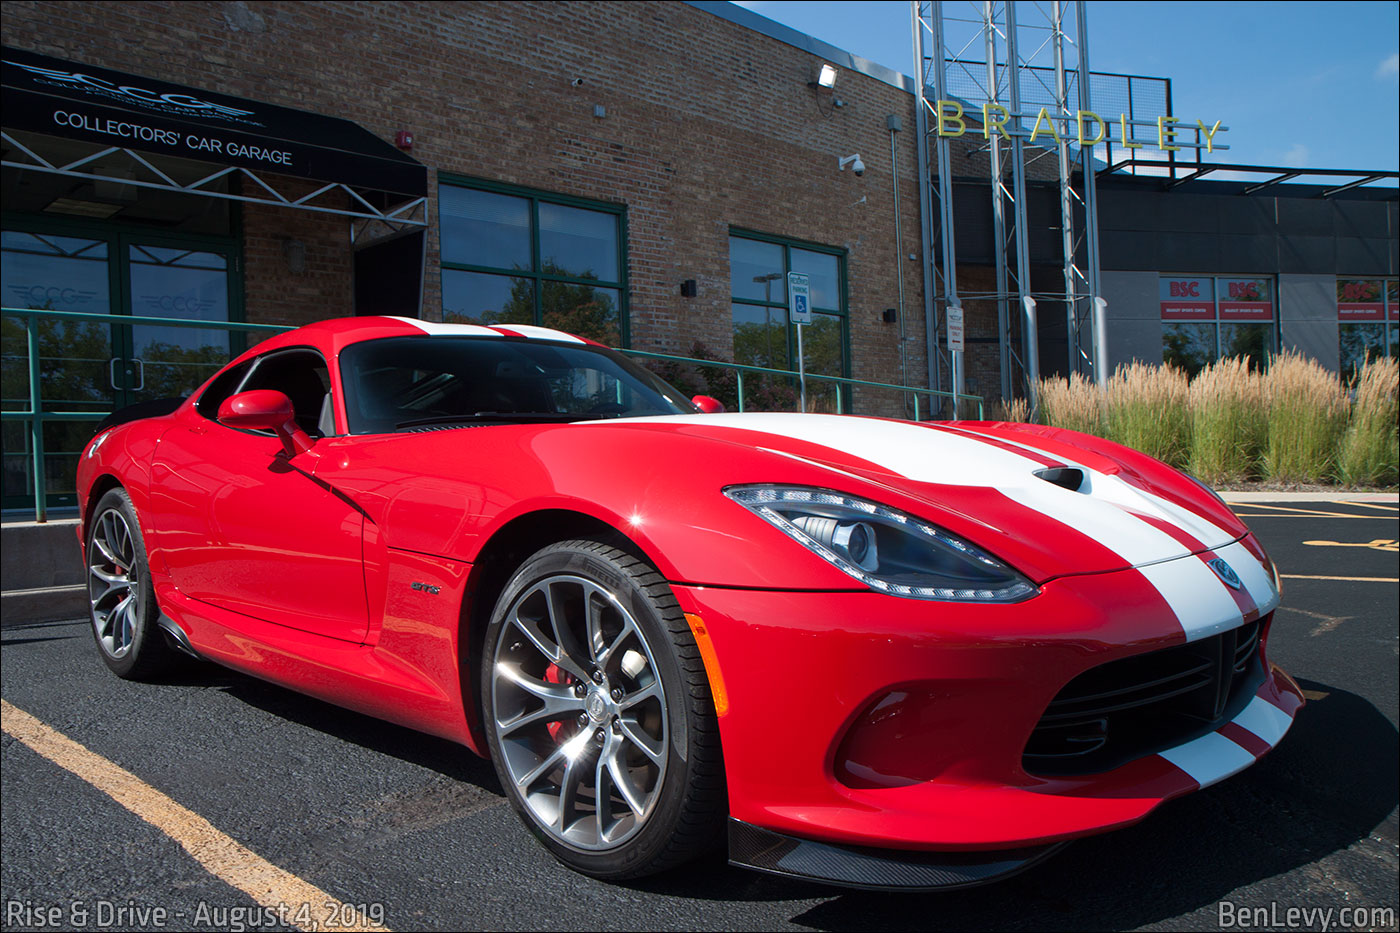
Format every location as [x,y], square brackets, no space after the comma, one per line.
[121,597]
[591,678]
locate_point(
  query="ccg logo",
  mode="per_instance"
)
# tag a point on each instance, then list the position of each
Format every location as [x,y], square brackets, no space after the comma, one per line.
[1225,572]
[164,101]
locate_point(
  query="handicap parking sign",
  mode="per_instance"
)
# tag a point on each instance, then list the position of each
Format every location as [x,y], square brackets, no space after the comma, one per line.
[799,298]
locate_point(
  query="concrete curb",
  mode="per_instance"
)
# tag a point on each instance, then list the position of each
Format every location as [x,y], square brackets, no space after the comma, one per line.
[42,604]
[1385,498]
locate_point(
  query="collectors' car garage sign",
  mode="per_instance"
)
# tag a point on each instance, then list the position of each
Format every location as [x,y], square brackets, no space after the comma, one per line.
[69,99]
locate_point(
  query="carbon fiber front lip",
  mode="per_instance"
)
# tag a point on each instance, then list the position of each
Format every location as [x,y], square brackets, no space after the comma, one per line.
[874,869]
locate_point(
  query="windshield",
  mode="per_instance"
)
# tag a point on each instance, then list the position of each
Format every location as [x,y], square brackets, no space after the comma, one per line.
[415,383]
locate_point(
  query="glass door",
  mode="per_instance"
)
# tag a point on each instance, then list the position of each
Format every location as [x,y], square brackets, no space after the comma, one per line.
[164,361]
[97,366]
[77,359]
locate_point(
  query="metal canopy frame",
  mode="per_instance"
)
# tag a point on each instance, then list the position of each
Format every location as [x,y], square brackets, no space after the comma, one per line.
[363,215]
[1013,51]
[1281,174]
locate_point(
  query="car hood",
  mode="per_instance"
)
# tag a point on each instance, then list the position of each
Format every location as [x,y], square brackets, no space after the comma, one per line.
[1053,502]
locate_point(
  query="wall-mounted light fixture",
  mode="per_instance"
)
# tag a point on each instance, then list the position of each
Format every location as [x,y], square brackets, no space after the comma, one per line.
[825,81]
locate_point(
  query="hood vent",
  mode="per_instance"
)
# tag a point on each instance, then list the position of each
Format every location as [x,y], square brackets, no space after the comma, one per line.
[1071,478]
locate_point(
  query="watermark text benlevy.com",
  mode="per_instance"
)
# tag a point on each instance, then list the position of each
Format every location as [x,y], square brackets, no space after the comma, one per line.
[1276,916]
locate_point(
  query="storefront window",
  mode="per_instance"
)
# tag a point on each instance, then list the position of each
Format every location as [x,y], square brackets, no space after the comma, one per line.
[1366,314]
[515,256]
[758,268]
[1205,319]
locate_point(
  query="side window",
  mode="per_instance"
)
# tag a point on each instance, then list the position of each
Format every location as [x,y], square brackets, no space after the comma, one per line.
[301,375]
[221,388]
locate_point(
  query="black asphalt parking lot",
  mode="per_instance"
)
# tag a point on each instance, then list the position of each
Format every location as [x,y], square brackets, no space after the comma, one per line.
[395,821]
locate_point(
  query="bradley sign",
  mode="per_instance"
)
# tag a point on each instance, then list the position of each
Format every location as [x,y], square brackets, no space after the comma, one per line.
[1083,126]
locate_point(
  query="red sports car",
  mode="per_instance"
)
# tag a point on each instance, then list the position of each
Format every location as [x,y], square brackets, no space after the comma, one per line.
[876,653]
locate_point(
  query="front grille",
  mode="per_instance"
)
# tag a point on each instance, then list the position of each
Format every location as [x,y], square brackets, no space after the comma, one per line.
[1136,706]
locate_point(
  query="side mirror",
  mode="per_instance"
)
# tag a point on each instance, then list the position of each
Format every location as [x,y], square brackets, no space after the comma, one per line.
[708,405]
[266,410]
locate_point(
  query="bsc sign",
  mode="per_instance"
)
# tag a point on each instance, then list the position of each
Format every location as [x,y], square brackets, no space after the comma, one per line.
[799,298]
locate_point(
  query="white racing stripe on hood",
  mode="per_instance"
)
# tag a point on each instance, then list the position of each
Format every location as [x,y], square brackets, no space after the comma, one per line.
[1113,489]
[1108,509]
[1202,604]
[929,455]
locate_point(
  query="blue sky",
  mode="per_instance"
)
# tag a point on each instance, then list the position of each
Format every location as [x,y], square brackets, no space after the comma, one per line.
[1306,84]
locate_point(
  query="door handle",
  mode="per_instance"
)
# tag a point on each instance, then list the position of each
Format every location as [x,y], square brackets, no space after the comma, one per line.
[112,372]
[140,374]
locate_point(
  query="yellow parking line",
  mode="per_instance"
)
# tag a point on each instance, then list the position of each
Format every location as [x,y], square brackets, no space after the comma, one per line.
[1384,507]
[299,903]
[1306,576]
[1283,511]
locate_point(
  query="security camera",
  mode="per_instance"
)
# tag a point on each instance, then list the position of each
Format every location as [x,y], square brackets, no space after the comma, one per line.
[854,162]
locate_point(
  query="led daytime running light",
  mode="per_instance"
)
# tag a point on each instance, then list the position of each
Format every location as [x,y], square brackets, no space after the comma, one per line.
[763,499]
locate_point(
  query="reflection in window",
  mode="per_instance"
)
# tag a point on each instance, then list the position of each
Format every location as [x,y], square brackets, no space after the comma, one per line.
[177,283]
[760,336]
[578,242]
[758,270]
[484,228]
[1359,343]
[823,276]
[1248,341]
[1188,347]
[484,298]
[524,258]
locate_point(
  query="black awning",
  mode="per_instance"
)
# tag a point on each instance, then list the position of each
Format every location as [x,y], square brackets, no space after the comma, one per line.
[61,98]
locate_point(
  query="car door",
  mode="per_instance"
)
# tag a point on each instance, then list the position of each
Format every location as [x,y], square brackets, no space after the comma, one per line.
[247,529]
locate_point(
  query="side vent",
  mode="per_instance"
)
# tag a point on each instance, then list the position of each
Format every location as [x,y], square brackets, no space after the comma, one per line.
[1071,478]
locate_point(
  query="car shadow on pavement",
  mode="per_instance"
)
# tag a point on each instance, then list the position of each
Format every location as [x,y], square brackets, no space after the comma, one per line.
[1325,788]
[419,748]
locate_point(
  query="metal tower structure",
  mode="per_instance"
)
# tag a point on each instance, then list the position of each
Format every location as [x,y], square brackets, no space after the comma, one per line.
[1008,66]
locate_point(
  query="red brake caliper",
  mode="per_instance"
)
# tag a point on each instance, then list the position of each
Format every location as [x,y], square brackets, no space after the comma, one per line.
[554,675]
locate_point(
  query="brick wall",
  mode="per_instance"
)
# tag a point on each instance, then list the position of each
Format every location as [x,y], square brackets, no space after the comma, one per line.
[709,125]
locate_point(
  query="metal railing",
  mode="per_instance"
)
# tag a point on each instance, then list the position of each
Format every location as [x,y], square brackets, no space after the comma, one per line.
[740,368]
[36,415]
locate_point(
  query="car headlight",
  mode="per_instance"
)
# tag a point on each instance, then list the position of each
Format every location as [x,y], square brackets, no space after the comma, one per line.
[884,548]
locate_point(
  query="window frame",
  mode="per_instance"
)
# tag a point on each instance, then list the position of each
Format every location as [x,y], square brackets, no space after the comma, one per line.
[788,244]
[538,277]
[1216,321]
[1388,324]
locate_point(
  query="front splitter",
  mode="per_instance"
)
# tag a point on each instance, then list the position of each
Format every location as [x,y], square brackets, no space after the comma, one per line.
[874,869]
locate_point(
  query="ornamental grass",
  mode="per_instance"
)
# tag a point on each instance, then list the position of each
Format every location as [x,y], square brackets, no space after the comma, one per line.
[1145,407]
[1072,403]
[1370,448]
[1229,422]
[1294,423]
[1308,412]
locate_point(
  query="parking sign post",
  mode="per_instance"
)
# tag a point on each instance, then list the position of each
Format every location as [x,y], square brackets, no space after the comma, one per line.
[800,313]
